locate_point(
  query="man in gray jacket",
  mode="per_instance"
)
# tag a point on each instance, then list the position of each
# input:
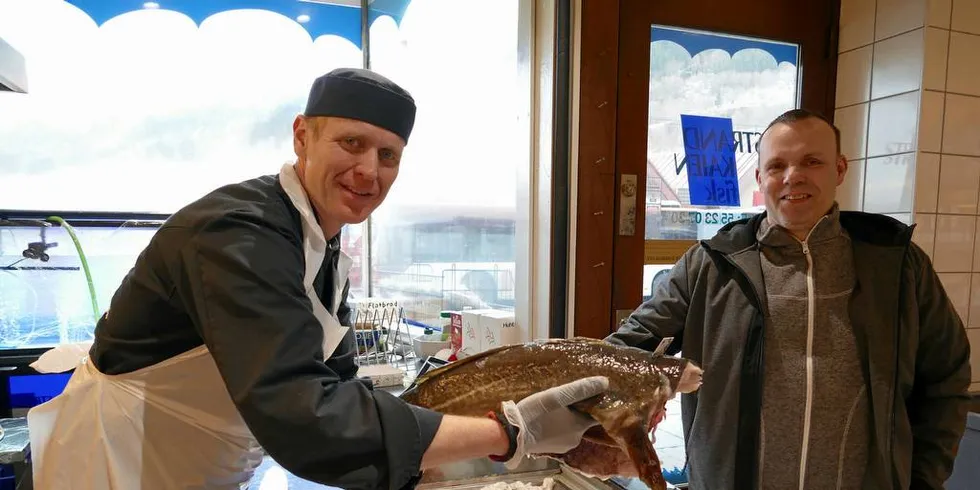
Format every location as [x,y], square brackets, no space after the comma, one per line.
[833,357]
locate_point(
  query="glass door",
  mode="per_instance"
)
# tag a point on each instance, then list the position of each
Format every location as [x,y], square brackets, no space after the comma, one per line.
[711,96]
[697,87]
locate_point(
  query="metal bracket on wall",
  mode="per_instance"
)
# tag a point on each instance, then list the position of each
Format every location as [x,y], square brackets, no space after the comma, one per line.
[627,205]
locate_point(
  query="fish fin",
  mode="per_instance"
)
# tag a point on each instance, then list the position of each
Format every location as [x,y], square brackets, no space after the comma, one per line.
[630,430]
[588,405]
[598,435]
[597,461]
[636,443]
[582,340]
[662,347]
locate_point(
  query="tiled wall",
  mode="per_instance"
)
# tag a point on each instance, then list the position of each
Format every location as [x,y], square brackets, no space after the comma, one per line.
[908,106]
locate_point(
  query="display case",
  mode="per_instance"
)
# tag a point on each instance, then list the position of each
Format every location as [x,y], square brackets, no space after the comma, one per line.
[477,474]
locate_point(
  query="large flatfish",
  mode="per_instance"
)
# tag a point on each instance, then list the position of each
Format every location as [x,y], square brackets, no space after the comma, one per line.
[640,383]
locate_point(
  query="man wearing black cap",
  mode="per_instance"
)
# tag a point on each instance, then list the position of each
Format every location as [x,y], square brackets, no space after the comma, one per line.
[231,334]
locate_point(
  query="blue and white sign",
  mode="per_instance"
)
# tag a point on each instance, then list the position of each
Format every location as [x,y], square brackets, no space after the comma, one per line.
[709,153]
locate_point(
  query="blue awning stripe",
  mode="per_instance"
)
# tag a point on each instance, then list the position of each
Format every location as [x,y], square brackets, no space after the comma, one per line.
[324,18]
[696,42]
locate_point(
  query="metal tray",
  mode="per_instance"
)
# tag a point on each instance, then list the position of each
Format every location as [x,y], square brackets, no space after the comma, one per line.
[474,475]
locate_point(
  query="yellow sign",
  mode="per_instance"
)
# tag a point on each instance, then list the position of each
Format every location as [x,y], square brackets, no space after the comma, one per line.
[665,251]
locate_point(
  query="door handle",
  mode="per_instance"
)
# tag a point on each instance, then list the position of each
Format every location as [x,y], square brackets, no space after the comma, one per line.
[627,204]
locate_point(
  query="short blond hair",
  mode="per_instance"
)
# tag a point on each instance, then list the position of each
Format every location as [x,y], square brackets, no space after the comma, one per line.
[315,125]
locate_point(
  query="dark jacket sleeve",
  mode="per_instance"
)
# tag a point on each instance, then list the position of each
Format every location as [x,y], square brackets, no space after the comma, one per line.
[939,400]
[241,280]
[664,314]
[429,420]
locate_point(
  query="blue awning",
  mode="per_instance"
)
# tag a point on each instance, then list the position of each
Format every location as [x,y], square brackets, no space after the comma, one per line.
[695,42]
[322,17]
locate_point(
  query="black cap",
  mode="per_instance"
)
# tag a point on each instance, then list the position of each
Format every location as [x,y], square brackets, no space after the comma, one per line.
[355,93]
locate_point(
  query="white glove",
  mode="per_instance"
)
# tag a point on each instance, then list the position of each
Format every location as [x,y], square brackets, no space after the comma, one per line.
[544,422]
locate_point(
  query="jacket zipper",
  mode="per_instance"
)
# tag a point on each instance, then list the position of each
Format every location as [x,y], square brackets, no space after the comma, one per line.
[811,306]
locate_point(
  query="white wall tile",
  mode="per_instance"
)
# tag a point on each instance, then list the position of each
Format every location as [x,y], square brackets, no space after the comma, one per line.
[897,65]
[924,234]
[853,77]
[973,335]
[926,182]
[966,16]
[954,243]
[938,13]
[976,259]
[888,184]
[903,217]
[959,185]
[897,16]
[892,124]
[857,24]
[974,320]
[850,194]
[961,127]
[853,124]
[957,287]
[931,121]
[934,59]
[964,63]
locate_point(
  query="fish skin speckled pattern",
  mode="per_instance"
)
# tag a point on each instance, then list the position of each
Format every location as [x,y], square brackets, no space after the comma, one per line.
[640,384]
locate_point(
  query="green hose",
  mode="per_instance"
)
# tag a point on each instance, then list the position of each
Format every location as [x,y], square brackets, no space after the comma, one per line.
[81,255]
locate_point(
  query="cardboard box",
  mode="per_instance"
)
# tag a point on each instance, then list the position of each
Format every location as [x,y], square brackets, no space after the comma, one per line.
[382,375]
[456,331]
[499,328]
[472,335]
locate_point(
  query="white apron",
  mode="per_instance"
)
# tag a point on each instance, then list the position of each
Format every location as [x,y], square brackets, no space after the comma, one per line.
[171,425]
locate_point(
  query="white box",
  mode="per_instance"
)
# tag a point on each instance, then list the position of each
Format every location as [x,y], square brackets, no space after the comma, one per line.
[498,328]
[472,334]
[382,375]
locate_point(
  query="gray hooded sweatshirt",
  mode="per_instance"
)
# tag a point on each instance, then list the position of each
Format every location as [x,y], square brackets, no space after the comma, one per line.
[814,409]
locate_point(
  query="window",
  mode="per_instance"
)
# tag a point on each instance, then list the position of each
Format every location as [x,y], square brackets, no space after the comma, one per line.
[143,110]
[140,111]
[703,80]
[445,237]
[150,110]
